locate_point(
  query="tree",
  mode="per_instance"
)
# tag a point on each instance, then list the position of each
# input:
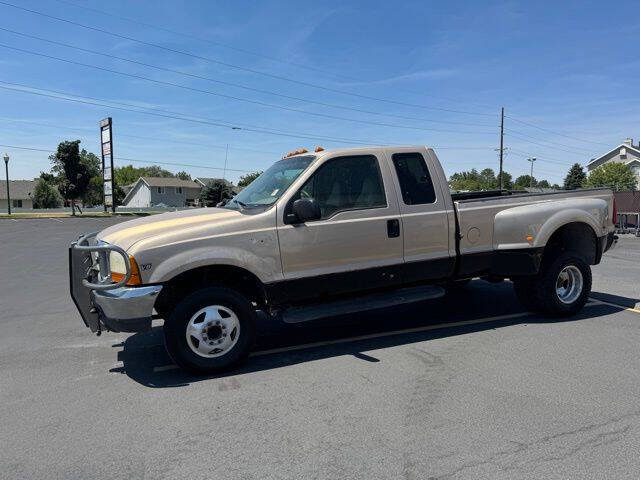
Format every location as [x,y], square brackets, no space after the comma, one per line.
[248,178]
[524,181]
[95,191]
[575,178]
[614,175]
[45,195]
[215,192]
[73,175]
[555,186]
[507,181]
[543,184]
[473,180]
[183,175]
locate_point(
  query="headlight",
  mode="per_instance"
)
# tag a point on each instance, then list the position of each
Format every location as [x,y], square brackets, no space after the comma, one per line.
[119,269]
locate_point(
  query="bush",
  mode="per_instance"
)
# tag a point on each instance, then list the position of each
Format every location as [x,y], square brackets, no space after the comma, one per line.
[46,195]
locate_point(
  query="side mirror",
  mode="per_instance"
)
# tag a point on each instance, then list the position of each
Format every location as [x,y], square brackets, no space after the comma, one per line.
[303,210]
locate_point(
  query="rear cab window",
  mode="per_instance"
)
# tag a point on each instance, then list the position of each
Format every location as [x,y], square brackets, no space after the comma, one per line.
[415,181]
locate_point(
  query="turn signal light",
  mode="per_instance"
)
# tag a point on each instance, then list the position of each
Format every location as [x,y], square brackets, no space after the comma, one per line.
[135,274]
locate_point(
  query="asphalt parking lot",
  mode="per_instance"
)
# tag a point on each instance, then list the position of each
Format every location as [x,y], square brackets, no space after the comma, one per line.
[464,387]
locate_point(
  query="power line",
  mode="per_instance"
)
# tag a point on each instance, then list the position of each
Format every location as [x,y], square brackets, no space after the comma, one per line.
[229,65]
[323,71]
[135,160]
[230,97]
[554,132]
[524,139]
[544,159]
[236,85]
[516,132]
[153,139]
[176,115]
[231,147]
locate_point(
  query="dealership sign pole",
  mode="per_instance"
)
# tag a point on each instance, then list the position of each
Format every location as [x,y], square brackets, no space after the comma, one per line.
[106,144]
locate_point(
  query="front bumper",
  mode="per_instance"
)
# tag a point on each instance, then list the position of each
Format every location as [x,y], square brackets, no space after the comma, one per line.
[104,305]
[126,309]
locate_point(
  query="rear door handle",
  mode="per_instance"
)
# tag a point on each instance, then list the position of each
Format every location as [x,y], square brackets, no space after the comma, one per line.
[393,228]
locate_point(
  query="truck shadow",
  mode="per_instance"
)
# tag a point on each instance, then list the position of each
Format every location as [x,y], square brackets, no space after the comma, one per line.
[146,361]
[617,299]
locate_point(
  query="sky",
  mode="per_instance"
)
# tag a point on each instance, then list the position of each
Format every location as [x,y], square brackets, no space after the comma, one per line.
[182,80]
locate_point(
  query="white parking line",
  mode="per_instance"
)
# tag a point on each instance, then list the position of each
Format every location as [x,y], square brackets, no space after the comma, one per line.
[595,301]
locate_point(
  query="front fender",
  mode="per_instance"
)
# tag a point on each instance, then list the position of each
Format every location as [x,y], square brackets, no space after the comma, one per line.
[265,268]
[513,226]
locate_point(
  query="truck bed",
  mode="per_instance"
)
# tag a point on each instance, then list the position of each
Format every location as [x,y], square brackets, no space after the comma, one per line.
[477,212]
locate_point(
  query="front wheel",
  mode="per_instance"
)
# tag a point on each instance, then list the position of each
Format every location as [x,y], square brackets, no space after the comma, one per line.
[211,330]
[561,288]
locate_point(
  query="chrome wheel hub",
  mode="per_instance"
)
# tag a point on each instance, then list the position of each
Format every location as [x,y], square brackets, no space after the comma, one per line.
[212,331]
[569,284]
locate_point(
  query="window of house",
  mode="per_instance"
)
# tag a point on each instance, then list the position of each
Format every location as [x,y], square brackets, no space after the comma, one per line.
[17,203]
[346,183]
[415,181]
[161,190]
[179,190]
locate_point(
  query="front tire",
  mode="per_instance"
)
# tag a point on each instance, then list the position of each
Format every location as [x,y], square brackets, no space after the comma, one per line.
[561,288]
[210,331]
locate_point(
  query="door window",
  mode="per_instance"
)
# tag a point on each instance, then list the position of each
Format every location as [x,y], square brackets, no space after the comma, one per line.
[346,183]
[415,181]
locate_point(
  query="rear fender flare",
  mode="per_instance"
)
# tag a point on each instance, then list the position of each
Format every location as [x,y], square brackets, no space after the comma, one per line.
[531,226]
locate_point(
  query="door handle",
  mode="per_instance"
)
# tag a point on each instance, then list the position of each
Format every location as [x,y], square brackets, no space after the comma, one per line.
[393,228]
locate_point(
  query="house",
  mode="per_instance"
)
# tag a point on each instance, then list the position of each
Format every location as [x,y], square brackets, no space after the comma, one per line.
[20,191]
[626,153]
[163,191]
[204,181]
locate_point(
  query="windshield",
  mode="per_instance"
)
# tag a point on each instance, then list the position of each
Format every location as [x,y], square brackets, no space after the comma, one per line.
[268,187]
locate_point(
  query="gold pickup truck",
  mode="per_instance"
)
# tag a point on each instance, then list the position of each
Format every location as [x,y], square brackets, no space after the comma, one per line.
[327,233]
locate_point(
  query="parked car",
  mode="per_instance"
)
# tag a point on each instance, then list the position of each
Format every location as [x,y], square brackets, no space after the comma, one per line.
[328,233]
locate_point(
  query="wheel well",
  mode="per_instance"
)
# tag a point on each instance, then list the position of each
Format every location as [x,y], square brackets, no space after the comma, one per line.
[576,237]
[228,276]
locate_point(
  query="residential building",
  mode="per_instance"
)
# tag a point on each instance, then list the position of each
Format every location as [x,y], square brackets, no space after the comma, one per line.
[626,153]
[162,191]
[20,191]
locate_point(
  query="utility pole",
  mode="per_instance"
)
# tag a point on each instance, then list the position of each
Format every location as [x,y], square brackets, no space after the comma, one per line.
[501,146]
[226,155]
[224,174]
[531,180]
[6,167]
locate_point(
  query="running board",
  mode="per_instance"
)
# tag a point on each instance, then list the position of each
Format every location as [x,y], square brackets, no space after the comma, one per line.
[360,304]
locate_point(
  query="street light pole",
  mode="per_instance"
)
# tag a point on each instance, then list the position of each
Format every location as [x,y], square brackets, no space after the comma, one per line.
[531,179]
[6,169]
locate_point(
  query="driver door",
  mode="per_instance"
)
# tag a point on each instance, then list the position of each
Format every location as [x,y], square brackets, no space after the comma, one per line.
[356,244]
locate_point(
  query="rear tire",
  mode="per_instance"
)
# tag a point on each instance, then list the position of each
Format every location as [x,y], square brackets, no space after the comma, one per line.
[561,288]
[210,331]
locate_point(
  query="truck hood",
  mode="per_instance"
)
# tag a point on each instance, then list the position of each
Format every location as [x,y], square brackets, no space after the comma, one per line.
[125,234]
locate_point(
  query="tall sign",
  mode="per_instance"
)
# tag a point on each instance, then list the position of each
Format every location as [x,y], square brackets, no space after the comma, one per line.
[106,148]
